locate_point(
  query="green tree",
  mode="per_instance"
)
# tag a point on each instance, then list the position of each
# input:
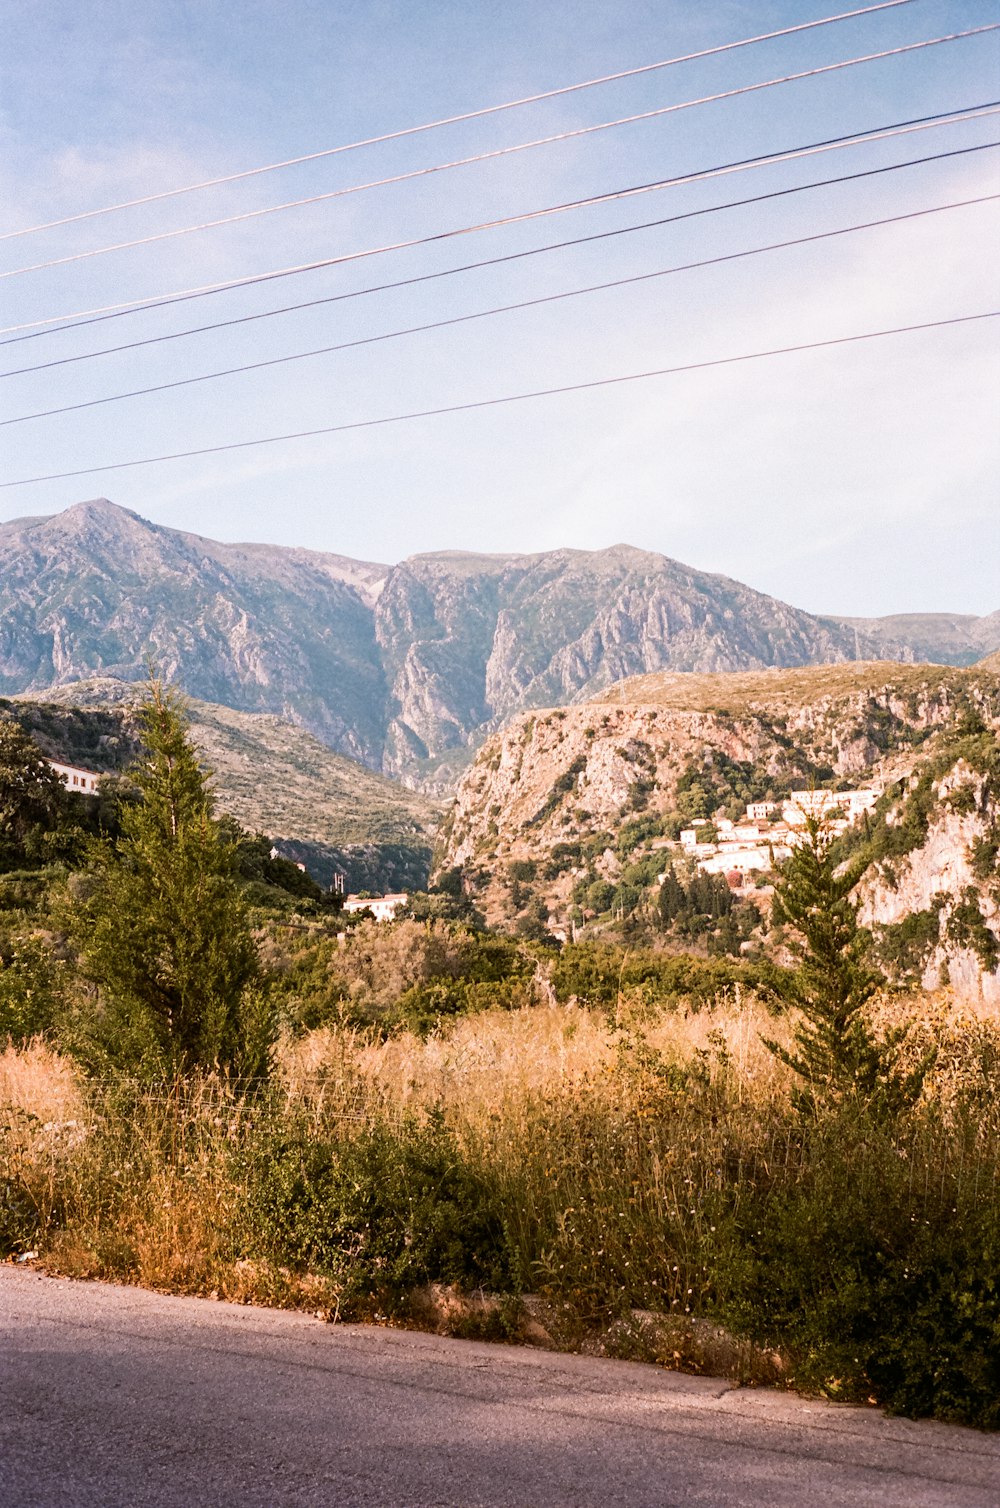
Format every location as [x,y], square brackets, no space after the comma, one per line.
[33,800]
[835,1050]
[29,987]
[165,932]
[672,899]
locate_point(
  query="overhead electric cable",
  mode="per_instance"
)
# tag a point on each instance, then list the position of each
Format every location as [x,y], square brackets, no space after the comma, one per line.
[492,155]
[768,159]
[483,403]
[511,256]
[529,303]
[451,120]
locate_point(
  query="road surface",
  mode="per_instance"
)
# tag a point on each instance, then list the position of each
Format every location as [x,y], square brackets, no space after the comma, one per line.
[117,1398]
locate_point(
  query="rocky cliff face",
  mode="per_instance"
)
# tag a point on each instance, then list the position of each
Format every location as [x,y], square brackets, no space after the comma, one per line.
[569,796]
[468,640]
[944,638]
[99,591]
[406,667]
[936,908]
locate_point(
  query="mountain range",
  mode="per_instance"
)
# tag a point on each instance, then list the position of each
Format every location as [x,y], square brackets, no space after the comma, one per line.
[405,668]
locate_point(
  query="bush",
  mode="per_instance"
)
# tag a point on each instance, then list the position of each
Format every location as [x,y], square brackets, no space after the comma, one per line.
[407,973]
[382,1210]
[596,972]
[29,988]
[878,1284]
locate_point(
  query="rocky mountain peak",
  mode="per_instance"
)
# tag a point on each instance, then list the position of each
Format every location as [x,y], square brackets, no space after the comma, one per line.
[406,667]
[98,513]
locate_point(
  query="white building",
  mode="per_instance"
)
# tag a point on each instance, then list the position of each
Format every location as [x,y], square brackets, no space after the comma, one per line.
[723,861]
[766,838]
[87,782]
[838,807]
[382,907]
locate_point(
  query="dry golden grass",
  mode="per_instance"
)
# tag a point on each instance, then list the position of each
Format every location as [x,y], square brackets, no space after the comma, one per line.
[37,1082]
[965,1038]
[484,1064]
[605,1143]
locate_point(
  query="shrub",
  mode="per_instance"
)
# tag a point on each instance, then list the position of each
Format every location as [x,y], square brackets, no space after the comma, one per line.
[596,973]
[880,1280]
[407,973]
[29,988]
[383,1210]
[905,946]
[967,927]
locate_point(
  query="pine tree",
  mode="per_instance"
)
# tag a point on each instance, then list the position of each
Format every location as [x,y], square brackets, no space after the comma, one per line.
[835,1050]
[165,933]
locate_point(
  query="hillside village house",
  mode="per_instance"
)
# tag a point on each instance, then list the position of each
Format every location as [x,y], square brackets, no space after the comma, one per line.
[382,907]
[765,839]
[75,779]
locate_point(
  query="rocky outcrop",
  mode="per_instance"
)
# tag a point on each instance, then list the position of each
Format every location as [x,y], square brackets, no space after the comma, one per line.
[561,797]
[936,908]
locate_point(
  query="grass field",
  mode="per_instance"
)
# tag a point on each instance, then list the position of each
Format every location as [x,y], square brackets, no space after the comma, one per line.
[636,1182]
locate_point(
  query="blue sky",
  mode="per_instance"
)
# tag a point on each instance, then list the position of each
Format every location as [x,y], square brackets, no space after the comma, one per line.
[862,479]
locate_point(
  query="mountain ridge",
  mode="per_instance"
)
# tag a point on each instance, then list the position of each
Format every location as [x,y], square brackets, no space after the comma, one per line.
[404,667]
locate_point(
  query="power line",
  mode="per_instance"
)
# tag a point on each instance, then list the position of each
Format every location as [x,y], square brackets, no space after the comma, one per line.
[483,403]
[531,303]
[768,159]
[530,99]
[512,256]
[494,154]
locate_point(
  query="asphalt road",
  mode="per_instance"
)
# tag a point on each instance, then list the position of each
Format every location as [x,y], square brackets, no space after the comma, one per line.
[114,1396]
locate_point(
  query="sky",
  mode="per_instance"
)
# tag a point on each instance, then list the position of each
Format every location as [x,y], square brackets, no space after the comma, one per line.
[860,478]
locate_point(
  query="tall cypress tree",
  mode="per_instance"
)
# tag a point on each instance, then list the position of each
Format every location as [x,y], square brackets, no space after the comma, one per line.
[835,1050]
[165,933]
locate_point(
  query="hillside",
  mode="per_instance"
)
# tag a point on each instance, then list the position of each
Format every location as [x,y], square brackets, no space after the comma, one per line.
[567,816]
[405,667]
[270,775]
[784,691]
[944,638]
[96,590]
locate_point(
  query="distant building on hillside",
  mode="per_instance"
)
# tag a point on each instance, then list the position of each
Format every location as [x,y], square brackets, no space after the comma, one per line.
[765,839]
[836,807]
[87,782]
[382,907]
